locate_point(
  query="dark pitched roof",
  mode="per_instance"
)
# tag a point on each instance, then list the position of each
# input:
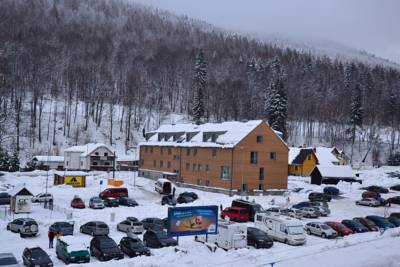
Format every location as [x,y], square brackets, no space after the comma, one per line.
[299,159]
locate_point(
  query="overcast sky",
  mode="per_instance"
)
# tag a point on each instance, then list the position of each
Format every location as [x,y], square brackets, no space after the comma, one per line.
[369,25]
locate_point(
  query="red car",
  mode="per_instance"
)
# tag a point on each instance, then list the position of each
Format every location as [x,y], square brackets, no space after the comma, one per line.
[77,203]
[340,228]
[236,214]
[371,194]
[114,192]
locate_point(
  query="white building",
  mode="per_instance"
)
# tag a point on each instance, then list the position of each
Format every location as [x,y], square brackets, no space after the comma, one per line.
[20,200]
[49,162]
[89,157]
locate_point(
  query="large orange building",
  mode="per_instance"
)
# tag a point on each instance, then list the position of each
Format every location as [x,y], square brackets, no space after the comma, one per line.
[230,155]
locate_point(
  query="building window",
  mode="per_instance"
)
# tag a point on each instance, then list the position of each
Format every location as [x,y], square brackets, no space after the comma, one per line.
[94,163]
[105,154]
[96,153]
[272,155]
[253,157]
[169,151]
[154,163]
[261,174]
[295,168]
[207,168]
[188,152]
[225,173]
[162,151]
[187,166]
[260,187]
[151,150]
[309,157]
[161,164]
[195,152]
[169,164]
[194,167]
[81,163]
[67,163]
[107,163]
[198,181]
[199,167]
[207,182]
[260,139]
[146,149]
[213,152]
[182,179]
[244,187]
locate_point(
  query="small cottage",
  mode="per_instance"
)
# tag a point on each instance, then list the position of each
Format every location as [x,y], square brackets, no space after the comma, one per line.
[48,162]
[301,161]
[325,174]
[21,200]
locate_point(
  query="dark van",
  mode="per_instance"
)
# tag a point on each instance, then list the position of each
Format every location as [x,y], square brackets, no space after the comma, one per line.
[114,192]
[252,207]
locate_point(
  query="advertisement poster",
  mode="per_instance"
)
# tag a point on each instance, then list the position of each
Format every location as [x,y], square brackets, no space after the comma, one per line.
[75,181]
[192,220]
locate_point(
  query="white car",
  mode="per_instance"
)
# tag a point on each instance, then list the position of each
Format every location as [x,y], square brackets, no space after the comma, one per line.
[371,202]
[96,203]
[43,197]
[321,229]
[130,226]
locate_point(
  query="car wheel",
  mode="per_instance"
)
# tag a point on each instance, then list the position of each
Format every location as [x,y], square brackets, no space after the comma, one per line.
[370,205]
[92,233]
[256,245]
[308,231]
[81,230]
[285,241]
[323,235]
[8,228]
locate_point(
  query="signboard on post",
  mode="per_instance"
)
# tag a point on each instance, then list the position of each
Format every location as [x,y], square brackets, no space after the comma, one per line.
[196,220]
[75,181]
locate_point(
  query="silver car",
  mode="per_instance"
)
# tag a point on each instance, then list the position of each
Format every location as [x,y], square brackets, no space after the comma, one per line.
[96,203]
[320,229]
[95,228]
[43,197]
[371,202]
[130,226]
[309,212]
[323,207]
[8,260]
[23,226]
[322,211]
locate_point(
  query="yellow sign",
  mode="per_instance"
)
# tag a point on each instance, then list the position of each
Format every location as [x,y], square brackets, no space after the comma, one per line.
[75,181]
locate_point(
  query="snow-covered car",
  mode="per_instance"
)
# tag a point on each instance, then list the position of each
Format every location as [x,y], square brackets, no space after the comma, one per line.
[130,226]
[371,202]
[43,197]
[320,229]
[23,226]
[72,250]
[96,203]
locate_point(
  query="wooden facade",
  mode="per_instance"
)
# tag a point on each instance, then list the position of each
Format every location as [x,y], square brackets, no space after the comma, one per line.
[256,162]
[305,166]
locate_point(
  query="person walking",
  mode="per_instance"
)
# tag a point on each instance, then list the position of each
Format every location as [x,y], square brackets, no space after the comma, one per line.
[51,238]
[58,235]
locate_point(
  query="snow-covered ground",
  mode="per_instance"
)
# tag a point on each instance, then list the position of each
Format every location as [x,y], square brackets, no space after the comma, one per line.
[367,249]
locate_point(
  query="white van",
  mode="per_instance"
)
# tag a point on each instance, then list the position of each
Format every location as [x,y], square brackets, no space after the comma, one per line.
[230,235]
[284,229]
[163,186]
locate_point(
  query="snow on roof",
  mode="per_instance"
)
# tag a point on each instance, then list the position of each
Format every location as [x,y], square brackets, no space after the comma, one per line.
[74,244]
[71,173]
[127,157]
[88,148]
[333,171]
[49,158]
[325,156]
[227,134]
[293,152]
[18,189]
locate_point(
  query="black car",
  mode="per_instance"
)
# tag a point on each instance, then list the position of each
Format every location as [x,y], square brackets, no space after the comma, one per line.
[168,200]
[110,202]
[356,227]
[394,200]
[303,204]
[190,194]
[126,201]
[132,246]
[315,196]
[4,198]
[184,199]
[158,239]
[395,187]
[377,189]
[36,257]
[153,223]
[258,238]
[394,220]
[395,214]
[104,248]
[331,190]
[65,228]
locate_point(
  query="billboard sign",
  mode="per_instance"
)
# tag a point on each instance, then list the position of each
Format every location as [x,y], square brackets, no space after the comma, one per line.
[196,220]
[75,181]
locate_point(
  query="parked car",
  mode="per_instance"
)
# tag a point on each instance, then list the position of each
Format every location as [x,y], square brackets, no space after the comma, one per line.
[163,186]
[295,213]
[153,223]
[72,250]
[394,200]
[258,238]
[370,194]
[378,189]
[94,228]
[190,194]
[114,192]
[395,214]
[331,190]
[370,202]
[42,197]
[381,222]
[4,198]
[77,203]
[128,202]
[394,220]
[184,199]
[356,227]
[23,226]
[8,260]
[130,226]
[104,248]
[168,200]
[236,214]
[36,257]
[110,202]
[65,228]
[96,203]
[320,229]
[340,228]
[322,211]
[309,212]
[315,196]
[132,246]
[252,207]
[395,187]
[367,223]
[158,239]
[303,204]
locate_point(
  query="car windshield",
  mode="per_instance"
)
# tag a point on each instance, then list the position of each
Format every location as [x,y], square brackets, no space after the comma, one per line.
[108,244]
[369,222]
[97,200]
[258,233]
[162,235]
[64,224]
[295,230]
[325,227]
[135,243]
[258,208]
[37,253]
[29,223]
[8,261]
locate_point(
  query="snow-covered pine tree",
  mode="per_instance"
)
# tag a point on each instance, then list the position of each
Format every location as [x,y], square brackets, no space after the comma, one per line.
[390,110]
[356,114]
[14,162]
[4,160]
[275,100]
[199,83]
